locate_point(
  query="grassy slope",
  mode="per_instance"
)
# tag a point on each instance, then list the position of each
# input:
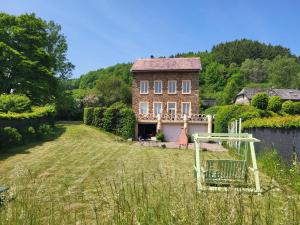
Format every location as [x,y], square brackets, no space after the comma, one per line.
[81,175]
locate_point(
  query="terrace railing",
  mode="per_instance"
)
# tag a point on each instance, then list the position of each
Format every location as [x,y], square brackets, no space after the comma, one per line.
[173,117]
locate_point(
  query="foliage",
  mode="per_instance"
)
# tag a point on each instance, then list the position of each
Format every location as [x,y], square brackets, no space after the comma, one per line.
[275,104]
[215,77]
[260,101]
[272,164]
[240,50]
[212,110]
[97,116]
[14,103]
[112,89]
[288,107]
[32,53]
[36,112]
[255,70]
[111,117]
[88,115]
[285,72]
[126,126]
[229,112]
[9,137]
[273,122]
[45,131]
[160,136]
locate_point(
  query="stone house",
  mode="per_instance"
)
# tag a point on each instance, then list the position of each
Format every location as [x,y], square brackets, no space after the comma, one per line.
[165,97]
[246,94]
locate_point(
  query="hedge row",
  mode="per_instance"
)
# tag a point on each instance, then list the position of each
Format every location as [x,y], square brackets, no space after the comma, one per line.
[20,128]
[118,119]
[274,122]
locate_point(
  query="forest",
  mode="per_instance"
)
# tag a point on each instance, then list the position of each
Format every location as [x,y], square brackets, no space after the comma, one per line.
[33,62]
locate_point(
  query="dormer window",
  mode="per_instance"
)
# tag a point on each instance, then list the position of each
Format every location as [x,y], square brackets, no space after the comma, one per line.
[144,87]
[186,87]
[172,87]
[157,87]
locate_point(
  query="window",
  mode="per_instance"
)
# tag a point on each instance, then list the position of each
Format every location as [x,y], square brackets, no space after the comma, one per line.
[172,86]
[157,108]
[157,87]
[172,108]
[186,87]
[186,108]
[144,87]
[144,108]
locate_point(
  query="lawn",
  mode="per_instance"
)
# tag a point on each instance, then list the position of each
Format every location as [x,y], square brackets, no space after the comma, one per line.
[86,176]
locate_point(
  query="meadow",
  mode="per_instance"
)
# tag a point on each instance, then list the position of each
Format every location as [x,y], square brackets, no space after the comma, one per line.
[87,176]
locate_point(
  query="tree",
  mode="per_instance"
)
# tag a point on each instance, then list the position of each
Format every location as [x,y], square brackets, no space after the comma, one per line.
[233,86]
[32,53]
[275,104]
[111,90]
[285,72]
[255,71]
[260,101]
[215,77]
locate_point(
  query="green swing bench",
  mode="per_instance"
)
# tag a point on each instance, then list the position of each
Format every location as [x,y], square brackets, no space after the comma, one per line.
[215,174]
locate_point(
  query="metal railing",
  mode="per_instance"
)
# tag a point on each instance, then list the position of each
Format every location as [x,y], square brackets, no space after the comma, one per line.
[173,117]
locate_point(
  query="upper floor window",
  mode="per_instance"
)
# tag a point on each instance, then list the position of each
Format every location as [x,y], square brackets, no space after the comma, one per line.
[157,108]
[157,87]
[144,109]
[172,86]
[144,87]
[186,87]
[186,108]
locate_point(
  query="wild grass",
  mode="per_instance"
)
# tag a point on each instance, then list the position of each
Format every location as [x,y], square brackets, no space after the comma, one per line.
[83,177]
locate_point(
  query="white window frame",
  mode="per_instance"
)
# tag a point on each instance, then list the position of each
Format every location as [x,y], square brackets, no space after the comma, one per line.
[154,108]
[147,103]
[190,108]
[175,107]
[144,81]
[172,93]
[161,85]
[190,84]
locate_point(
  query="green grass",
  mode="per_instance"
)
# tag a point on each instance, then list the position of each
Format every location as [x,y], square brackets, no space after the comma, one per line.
[86,176]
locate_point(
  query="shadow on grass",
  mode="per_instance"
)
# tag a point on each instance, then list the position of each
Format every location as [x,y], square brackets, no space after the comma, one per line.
[23,149]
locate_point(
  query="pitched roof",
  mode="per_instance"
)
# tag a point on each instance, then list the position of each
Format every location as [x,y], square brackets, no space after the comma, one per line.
[166,64]
[284,94]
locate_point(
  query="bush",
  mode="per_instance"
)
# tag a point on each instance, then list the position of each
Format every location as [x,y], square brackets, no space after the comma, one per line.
[160,136]
[212,110]
[36,112]
[273,122]
[111,117]
[9,136]
[260,101]
[45,131]
[14,103]
[275,104]
[288,107]
[126,126]
[97,116]
[88,115]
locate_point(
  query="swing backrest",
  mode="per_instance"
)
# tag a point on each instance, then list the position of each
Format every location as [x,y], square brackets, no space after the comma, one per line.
[225,171]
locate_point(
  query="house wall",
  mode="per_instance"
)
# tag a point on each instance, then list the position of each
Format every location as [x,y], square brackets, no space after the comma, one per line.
[165,97]
[242,99]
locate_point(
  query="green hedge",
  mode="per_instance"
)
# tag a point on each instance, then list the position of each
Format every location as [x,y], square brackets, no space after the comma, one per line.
[274,122]
[36,112]
[14,103]
[118,119]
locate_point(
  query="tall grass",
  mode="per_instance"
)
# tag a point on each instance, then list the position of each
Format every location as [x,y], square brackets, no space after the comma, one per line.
[143,198]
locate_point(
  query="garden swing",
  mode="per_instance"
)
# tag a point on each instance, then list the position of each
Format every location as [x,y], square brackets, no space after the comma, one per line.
[218,174]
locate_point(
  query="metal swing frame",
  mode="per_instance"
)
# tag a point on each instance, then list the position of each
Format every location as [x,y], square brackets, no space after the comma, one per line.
[228,137]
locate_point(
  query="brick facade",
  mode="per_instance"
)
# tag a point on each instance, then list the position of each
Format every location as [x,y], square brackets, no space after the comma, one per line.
[164,76]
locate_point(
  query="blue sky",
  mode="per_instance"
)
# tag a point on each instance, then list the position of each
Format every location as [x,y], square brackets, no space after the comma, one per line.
[101,33]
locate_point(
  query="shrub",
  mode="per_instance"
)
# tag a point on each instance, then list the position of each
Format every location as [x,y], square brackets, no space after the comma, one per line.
[9,136]
[260,101]
[30,132]
[212,110]
[14,103]
[36,112]
[88,115]
[160,136]
[44,131]
[288,107]
[297,107]
[126,126]
[275,104]
[249,115]
[98,116]
[111,117]
[273,122]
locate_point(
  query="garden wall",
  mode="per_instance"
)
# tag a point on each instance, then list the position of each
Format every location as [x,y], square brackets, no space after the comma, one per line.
[281,139]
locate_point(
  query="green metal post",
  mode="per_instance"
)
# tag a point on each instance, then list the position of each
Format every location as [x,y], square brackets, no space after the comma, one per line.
[255,169]
[197,165]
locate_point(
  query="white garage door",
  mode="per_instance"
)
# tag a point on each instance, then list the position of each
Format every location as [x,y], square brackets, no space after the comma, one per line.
[197,128]
[171,131]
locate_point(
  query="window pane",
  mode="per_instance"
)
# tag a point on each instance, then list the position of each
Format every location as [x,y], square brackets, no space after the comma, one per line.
[157,108]
[172,86]
[157,86]
[143,108]
[186,86]
[186,108]
[144,87]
